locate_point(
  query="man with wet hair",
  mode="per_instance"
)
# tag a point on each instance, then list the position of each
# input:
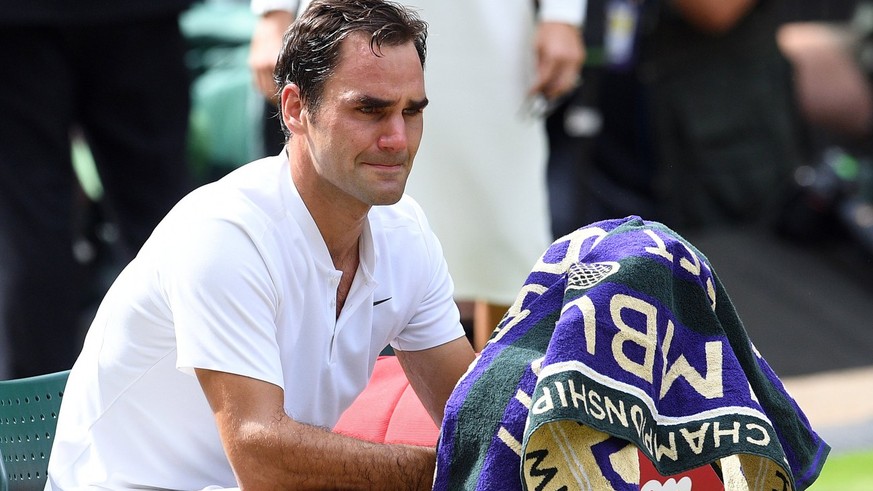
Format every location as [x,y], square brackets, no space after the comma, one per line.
[253,316]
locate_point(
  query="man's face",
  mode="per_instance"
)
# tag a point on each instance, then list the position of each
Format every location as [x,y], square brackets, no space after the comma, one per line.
[367,129]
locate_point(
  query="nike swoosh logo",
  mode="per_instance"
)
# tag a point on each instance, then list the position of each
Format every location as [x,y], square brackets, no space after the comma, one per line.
[377,302]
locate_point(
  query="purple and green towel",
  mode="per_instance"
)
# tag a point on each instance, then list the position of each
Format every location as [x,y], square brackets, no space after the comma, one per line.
[622,338]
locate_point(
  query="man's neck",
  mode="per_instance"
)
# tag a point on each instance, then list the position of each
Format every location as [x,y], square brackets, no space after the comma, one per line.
[340,225]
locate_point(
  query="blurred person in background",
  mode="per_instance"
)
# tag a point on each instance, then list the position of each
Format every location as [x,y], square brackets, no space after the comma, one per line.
[696,122]
[113,72]
[700,121]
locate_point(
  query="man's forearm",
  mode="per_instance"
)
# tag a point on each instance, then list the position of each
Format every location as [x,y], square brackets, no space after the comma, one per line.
[298,456]
[266,43]
[268,449]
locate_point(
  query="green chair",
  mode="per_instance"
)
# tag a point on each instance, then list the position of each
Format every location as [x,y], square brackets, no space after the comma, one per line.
[28,417]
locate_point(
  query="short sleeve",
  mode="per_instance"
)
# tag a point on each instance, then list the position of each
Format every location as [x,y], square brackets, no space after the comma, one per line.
[223,303]
[436,319]
[567,11]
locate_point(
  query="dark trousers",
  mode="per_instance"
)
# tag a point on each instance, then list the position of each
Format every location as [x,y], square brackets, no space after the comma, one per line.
[125,86]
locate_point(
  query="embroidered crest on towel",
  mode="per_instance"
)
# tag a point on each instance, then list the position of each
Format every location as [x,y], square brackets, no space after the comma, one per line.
[581,276]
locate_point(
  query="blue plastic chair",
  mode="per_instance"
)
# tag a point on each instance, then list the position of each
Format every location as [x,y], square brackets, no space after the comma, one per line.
[28,418]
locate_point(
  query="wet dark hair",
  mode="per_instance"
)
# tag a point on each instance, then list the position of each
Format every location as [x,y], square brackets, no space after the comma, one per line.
[311,46]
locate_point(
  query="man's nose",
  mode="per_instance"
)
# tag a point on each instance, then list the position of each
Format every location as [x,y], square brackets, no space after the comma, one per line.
[394,135]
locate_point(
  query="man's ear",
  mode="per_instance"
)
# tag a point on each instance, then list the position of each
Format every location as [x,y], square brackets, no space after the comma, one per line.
[292,108]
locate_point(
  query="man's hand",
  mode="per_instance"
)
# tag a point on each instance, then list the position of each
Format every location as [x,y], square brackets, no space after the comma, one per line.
[560,54]
[264,50]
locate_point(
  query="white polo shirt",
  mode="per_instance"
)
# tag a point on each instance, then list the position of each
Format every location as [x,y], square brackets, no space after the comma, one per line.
[238,279]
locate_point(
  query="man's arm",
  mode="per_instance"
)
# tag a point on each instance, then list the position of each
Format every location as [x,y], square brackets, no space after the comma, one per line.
[264,49]
[433,372]
[268,450]
[560,50]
